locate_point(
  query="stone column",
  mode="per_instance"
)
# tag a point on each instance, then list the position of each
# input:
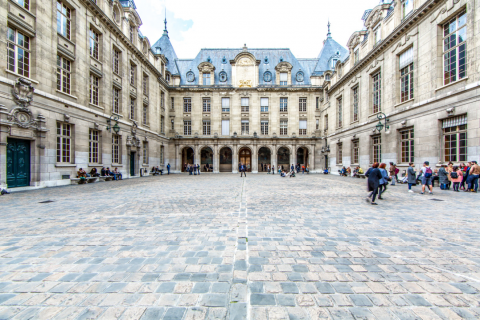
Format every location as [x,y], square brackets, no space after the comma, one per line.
[216,159]
[178,159]
[196,155]
[254,159]
[235,159]
[311,159]
[3,146]
[273,157]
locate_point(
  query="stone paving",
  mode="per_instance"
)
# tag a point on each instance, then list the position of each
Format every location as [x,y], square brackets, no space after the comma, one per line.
[224,247]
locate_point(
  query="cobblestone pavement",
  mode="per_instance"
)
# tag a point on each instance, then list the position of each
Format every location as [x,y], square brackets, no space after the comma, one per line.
[224,247]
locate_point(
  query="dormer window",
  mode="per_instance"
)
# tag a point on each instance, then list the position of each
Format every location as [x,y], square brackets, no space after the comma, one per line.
[334,62]
[356,55]
[24,3]
[407,7]
[132,33]
[167,77]
[206,78]
[283,78]
[377,35]
[327,78]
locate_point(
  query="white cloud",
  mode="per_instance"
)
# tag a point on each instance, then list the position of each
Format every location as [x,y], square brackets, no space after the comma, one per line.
[300,25]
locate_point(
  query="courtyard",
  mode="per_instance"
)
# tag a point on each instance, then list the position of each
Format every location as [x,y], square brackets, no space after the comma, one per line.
[217,246]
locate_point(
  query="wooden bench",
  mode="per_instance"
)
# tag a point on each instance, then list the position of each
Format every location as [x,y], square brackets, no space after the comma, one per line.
[88,179]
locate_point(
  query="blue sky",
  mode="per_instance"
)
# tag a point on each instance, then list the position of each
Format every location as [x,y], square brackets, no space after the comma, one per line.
[299,25]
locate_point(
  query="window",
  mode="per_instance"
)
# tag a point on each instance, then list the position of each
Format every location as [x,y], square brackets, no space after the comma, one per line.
[244,103]
[302,128]
[206,104]
[455,49]
[115,14]
[63,19]
[162,100]
[339,112]
[145,152]
[283,104]
[206,127]
[407,146]
[245,127]
[263,104]
[407,7]
[132,108]
[355,151]
[302,104]
[283,78]
[355,104]
[334,63]
[377,149]
[162,124]
[145,116]
[133,78]
[116,61]
[377,35]
[206,79]
[264,127]
[167,77]
[93,141]
[116,100]
[455,138]
[132,33]
[172,103]
[376,92]
[64,143]
[187,104]
[24,3]
[116,148]
[187,128]
[18,46]
[339,153]
[317,102]
[225,104]
[94,44]
[94,89]
[356,55]
[325,123]
[145,85]
[327,78]
[283,127]
[63,74]
[317,124]
[172,121]
[406,75]
[162,154]
[225,127]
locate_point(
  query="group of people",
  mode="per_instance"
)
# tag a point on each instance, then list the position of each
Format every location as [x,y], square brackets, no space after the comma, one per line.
[462,177]
[192,169]
[105,172]
[378,179]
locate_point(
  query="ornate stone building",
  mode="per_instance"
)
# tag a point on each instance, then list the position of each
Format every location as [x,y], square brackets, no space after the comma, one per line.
[81,87]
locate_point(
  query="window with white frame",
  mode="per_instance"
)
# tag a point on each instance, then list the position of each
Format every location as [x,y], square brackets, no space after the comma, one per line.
[133,103]
[64,16]
[339,112]
[116,144]
[225,104]
[225,127]
[283,127]
[145,85]
[407,8]
[206,127]
[145,115]
[206,105]
[406,75]
[263,104]
[94,89]
[187,104]
[94,43]
[244,104]
[283,104]
[355,151]
[302,127]
[117,54]
[377,149]
[355,101]
[145,152]
[377,35]
[339,153]
[63,74]
[455,49]
[162,124]
[376,92]
[302,104]
[167,77]
[187,127]
[264,127]
[93,145]
[133,74]
[455,138]
[116,100]
[64,142]
[283,78]
[206,78]
[18,52]
[24,3]
[408,145]
[245,127]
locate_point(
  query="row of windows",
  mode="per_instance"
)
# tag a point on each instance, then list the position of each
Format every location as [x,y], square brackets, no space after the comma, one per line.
[245,127]
[244,103]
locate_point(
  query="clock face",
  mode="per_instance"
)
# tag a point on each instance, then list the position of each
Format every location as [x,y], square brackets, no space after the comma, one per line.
[299,76]
[267,76]
[190,76]
[223,76]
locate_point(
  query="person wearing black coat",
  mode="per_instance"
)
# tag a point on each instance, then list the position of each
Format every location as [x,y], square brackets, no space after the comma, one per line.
[374,175]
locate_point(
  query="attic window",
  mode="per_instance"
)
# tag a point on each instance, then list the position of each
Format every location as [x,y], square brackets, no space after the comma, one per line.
[224,60]
[265,60]
[334,62]
[327,78]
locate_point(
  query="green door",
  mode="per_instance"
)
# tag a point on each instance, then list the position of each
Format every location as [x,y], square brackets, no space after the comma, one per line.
[18,163]
[132,163]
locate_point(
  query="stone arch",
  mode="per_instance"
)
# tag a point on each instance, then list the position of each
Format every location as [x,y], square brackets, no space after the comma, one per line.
[134,18]
[302,155]
[374,17]
[265,156]
[265,146]
[146,46]
[245,156]
[188,156]
[283,156]
[117,10]
[225,158]
[245,54]
[206,158]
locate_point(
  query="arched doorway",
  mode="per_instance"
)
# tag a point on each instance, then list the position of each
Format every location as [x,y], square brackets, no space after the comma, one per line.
[302,156]
[188,157]
[206,159]
[226,158]
[245,158]
[264,157]
[283,158]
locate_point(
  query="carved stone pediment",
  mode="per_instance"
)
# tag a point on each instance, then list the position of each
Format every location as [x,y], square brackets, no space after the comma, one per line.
[206,67]
[284,67]
[22,92]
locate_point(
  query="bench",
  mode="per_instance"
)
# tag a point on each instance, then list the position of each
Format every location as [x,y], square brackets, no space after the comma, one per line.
[105,178]
[88,179]
[361,175]
[157,172]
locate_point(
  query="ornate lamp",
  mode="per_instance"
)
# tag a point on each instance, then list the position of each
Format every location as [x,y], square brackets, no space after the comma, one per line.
[115,127]
[379,127]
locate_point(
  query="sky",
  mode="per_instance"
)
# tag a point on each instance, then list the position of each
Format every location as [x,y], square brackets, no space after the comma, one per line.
[300,25]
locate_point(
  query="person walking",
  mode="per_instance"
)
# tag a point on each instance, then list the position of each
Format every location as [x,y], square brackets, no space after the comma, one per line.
[292,168]
[392,171]
[168,168]
[449,170]
[242,170]
[411,175]
[307,169]
[443,178]
[185,167]
[456,176]
[383,181]
[273,169]
[198,169]
[474,175]
[465,168]
[189,169]
[374,175]
[427,174]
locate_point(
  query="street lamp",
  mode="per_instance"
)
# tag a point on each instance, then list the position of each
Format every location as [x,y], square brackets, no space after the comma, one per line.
[115,127]
[379,127]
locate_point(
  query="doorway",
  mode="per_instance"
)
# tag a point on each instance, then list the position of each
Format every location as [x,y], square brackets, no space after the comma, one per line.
[226,159]
[206,159]
[302,156]
[264,157]
[132,164]
[245,157]
[283,158]
[188,157]
[18,163]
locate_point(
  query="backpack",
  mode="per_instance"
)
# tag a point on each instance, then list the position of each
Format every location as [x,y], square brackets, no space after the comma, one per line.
[453,175]
[397,170]
[428,172]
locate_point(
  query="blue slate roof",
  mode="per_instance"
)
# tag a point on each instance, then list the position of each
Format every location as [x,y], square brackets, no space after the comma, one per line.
[167,50]
[331,50]
[128,4]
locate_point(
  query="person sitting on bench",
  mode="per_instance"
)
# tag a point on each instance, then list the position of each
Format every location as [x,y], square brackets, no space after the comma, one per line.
[117,175]
[94,173]
[81,173]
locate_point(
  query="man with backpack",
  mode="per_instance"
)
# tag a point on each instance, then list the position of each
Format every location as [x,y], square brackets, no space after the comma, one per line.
[427,177]
[392,172]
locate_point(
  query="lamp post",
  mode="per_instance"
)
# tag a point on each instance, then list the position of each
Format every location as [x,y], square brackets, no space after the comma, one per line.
[115,127]
[379,127]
